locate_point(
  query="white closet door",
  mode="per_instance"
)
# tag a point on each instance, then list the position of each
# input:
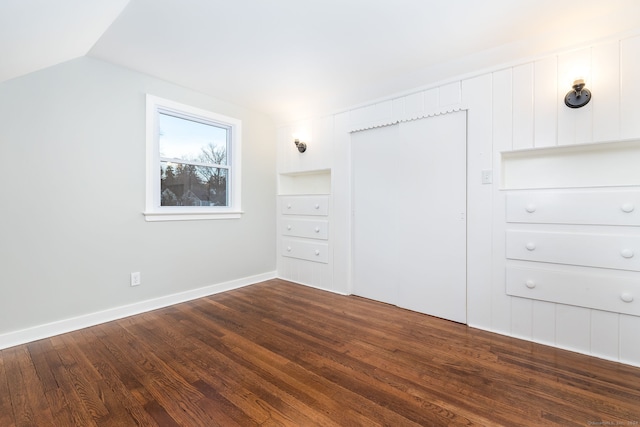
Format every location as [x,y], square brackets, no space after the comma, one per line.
[374,184]
[409,224]
[432,226]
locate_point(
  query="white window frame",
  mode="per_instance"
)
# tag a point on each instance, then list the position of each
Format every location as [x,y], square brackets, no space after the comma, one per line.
[153,210]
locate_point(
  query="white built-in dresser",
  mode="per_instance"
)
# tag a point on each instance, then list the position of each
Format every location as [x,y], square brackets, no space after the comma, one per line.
[573,225]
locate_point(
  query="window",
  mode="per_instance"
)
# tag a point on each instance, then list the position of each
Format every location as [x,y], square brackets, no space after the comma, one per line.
[193,163]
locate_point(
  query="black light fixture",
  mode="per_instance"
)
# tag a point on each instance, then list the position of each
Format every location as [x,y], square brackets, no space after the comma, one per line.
[302,147]
[579,96]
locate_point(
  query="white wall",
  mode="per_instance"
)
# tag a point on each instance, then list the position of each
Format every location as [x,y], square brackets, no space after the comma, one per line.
[514,107]
[72,145]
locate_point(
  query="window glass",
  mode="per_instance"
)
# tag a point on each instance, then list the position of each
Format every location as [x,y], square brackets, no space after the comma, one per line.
[186,139]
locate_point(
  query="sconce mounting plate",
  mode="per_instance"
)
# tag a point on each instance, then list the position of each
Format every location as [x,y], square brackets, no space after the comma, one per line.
[577,99]
[302,146]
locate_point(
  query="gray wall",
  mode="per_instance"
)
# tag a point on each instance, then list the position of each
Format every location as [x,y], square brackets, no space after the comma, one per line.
[72,192]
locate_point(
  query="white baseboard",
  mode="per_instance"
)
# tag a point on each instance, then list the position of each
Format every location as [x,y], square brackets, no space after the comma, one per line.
[598,356]
[73,324]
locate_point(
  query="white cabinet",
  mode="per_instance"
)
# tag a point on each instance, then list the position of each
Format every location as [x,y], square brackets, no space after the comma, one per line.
[616,251]
[574,207]
[305,205]
[307,228]
[304,227]
[576,247]
[600,290]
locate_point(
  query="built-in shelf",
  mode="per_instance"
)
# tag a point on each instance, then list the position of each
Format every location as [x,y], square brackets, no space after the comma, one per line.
[610,164]
[307,182]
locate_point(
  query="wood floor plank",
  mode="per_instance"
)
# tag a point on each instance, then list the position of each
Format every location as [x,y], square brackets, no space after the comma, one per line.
[7,417]
[280,354]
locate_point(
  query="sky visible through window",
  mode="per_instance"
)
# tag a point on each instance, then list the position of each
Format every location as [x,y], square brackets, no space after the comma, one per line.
[186,139]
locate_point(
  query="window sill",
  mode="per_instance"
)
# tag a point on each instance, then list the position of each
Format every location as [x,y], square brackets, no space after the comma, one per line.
[190,216]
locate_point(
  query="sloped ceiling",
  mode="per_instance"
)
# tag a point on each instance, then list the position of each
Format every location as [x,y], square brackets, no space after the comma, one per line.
[36,34]
[292,58]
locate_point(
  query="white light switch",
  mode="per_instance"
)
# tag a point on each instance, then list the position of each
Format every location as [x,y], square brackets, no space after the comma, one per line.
[487,176]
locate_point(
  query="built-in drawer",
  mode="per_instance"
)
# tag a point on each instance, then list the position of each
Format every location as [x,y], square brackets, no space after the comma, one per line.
[307,250]
[599,291]
[575,207]
[616,251]
[309,228]
[305,205]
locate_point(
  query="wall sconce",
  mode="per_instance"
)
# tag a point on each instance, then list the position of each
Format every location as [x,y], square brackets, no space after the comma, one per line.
[578,96]
[302,147]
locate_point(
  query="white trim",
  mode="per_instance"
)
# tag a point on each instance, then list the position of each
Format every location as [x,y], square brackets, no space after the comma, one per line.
[391,122]
[298,282]
[189,216]
[47,330]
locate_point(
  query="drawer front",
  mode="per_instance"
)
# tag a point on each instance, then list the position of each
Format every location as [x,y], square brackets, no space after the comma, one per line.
[567,207]
[310,251]
[598,291]
[305,205]
[308,228]
[592,250]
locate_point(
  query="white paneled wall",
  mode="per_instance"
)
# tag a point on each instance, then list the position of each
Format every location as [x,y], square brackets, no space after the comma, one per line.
[519,107]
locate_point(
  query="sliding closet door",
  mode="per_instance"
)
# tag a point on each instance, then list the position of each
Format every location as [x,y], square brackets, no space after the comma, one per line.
[409,215]
[374,184]
[432,231]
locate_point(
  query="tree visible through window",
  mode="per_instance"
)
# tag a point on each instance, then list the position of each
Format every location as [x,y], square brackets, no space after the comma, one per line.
[193,162]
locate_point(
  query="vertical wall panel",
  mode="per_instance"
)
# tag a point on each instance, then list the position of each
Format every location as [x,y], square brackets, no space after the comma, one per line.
[502,133]
[450,94]
[575,125]
[414,105]
[630,90]
[321,143]
[283,160]
[523,106]
[431,101]
[297,161]
[573,328]
[605,337]
[372,115]
[545,102]
[477,97]
[543,328]
[522,318]
[339,228]
[523,137]
[630,339]
[605,85]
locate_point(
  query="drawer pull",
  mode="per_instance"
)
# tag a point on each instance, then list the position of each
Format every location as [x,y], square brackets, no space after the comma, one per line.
[288,205]
[531,208]
[627,207]
[530,246]
[288,227]
[530,284]
[317,206]
[626,297]
[317,229]
[317,252]
[288,248]
[626,253]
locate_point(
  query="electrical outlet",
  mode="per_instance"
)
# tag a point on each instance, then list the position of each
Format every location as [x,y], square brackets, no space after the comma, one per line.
[135,278]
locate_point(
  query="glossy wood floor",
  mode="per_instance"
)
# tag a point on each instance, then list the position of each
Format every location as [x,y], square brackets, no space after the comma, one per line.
[276,353]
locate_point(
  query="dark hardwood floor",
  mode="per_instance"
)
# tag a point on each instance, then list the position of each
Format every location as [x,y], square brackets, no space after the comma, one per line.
[276,353]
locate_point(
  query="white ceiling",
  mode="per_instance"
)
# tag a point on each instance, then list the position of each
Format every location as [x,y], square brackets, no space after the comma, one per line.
[292,58]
